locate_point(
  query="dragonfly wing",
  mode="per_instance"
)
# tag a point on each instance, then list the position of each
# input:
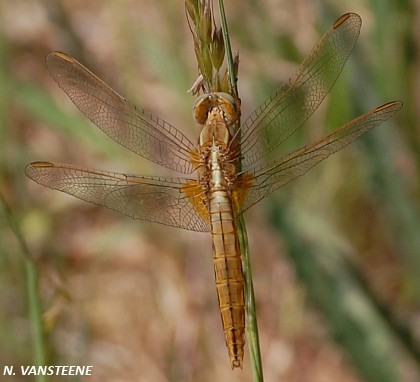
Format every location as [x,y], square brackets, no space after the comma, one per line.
[135,129]
[168,201]
[266,179]
[294,102]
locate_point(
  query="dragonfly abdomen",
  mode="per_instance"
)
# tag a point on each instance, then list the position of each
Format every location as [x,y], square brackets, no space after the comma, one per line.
[228,274]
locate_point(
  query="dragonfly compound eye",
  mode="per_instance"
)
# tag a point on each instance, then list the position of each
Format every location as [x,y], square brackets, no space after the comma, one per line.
[207,102]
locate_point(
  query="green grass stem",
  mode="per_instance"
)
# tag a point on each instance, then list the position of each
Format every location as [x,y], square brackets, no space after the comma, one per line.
[250,307]
[34,303]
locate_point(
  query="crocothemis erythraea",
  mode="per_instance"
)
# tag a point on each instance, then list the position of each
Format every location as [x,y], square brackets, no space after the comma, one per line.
[231,175]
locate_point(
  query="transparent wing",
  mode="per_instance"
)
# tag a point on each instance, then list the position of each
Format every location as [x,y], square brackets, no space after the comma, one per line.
[167,201]
[135,129]
[293,103]
[263,181]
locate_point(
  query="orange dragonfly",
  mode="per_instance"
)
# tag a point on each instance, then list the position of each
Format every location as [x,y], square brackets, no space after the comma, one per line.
[231,175]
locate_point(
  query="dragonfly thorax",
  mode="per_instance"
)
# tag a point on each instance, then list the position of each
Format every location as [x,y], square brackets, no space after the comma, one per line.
[215,131]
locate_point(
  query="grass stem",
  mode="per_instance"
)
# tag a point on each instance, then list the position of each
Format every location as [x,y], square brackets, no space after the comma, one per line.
[34,304]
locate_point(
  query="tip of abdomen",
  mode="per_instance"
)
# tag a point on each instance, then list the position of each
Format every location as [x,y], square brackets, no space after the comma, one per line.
[236,362]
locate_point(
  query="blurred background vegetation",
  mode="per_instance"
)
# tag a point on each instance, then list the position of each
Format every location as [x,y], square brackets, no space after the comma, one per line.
[336,254]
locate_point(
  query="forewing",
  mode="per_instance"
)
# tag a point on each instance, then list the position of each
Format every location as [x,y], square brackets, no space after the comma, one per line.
[135,129]
[161,200]
[259,183]
[293,103]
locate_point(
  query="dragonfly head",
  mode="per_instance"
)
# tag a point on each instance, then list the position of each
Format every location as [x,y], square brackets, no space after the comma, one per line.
[224,102]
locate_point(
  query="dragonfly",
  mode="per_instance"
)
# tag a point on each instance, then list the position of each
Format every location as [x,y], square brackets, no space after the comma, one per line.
[224,173]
